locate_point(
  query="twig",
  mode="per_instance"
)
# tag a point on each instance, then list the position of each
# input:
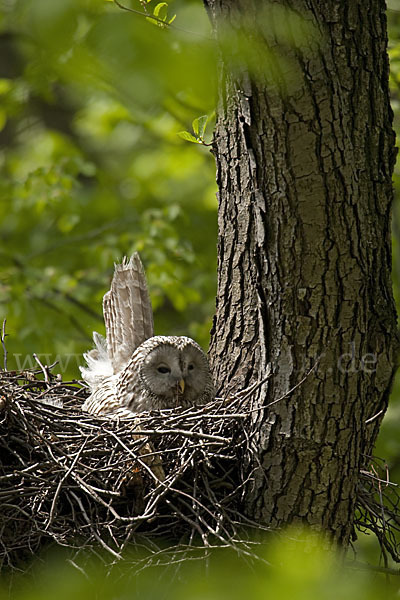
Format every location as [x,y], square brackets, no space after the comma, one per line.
[375,416]
[295,387]
[44,369]
[191,434]
[3,343]
[355,564]
[68,472]
[164,24]
[254,387]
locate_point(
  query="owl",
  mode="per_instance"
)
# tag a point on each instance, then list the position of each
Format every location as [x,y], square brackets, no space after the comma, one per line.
[131,370]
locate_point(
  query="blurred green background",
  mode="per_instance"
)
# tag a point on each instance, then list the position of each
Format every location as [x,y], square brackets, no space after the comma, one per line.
[296,566]
[92,98]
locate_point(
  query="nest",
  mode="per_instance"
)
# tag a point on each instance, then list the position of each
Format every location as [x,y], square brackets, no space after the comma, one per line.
[89,482]
[165,482]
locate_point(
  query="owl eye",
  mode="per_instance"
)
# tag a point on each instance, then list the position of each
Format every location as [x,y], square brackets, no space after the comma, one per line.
[190,367]
[164,370]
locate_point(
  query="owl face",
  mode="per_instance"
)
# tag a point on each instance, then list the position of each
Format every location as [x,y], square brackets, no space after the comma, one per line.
[176,371]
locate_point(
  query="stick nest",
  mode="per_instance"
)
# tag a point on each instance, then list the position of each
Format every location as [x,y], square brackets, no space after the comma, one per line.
[173,478]
[84,481]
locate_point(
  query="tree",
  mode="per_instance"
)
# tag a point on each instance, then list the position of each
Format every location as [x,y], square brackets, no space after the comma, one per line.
[92,169]
[304,167]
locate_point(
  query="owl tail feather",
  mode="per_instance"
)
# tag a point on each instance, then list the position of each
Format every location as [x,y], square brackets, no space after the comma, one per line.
[98,362]
[127,311]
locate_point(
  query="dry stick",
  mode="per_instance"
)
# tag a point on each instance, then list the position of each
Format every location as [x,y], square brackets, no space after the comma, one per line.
[291,389]
[244,394]
[3,343]
[255,386]
[95,534]
[89,489]
[44,369]
[200,505]
[195,525]
[375,478]
[68,472]
[82,571]
[177,550]
[167,484]
[383,517]
[367,567]
[372,520]
[92,491]
[191,434]
[375,416]
[135,456]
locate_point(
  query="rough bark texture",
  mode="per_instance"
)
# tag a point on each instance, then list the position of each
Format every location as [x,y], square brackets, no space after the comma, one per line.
[304,165]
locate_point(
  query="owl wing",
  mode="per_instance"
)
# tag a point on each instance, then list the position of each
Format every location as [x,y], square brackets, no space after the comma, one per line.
[127,312]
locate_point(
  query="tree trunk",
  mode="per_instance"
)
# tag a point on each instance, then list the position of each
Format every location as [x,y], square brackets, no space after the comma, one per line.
[305,152]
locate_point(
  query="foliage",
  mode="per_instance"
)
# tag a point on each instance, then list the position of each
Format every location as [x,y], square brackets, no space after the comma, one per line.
[199,129]
[92,98]
[294,566]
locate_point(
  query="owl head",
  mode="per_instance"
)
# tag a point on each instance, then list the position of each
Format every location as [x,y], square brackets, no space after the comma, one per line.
[173,371]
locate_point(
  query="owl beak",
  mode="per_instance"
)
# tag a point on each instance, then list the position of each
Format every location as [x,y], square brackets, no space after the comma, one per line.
[181,385]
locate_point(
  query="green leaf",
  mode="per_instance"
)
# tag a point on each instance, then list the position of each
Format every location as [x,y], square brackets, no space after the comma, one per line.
[199,125]
[160,11]
[195,126]
[153,21]
[185,135]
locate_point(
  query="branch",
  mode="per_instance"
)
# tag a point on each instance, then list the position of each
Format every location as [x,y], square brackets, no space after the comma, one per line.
[142,14]
[355,564]
[164,24]
[3,343]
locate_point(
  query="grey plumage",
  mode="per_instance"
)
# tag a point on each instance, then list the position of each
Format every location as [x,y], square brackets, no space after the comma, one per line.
[132,370]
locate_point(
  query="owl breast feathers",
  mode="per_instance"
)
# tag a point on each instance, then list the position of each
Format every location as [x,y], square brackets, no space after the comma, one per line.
[132,370]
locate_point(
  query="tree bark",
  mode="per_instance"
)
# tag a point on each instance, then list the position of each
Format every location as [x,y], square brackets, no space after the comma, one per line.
[305,152]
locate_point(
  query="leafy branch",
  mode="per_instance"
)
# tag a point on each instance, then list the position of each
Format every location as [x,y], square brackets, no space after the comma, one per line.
[158,17]
[199,128]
